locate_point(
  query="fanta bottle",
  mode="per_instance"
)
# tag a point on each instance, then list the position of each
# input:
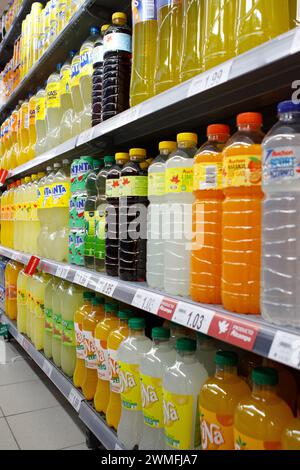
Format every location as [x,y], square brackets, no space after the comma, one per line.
[242,209]
[11,277]
[57,306]
[102,331]
[89,324]
[42,200]
[261,418]
[191,55]
[50,292]
[22,301]
[291,436]
[206,258]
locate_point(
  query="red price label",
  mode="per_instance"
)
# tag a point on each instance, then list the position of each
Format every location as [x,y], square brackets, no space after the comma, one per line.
[3,175]
[32,265]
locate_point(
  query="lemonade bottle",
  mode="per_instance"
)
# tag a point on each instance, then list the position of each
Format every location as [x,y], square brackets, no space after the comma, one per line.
[39,310]
[30,283]
[53,20]
[218,399]
[144,14]
[72,301]
[40,122]
[24,133]
[191,55]
[102,331]
[129,356]
[261,418]
[54,110]
[206,258]
[59,214]
[89,324]
[11,276]
[57,307]
[77,100]
[241,225]
[50,292]
[259,21]
[35,223]
[14,138]
[47,26]
[80,313]
[33,288]
[36,14]
[291,436]
[168,44]
[115,338]
[66,100]
[22,301]
[152,368]
[206,352]
[32,128]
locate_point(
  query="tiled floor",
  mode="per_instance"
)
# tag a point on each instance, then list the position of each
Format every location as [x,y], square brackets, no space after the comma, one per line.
[33,414]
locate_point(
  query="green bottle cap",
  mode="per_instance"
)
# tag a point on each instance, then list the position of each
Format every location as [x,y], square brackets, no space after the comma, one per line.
[186,344]
[109,160]
[111,306]
[265,376]
[87,295]
[137,323]
[98,301]
[226,358]
[160,332]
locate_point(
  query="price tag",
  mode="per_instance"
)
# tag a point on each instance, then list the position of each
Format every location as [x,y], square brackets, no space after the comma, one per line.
[286,349]
[296,41]
[3,176]
[82,278]
[106,286]
[75,399]
[210,79]
[62,271]
[194,317]
[47,368]
[32,265]
[20,339]
[148,301]
[85,137]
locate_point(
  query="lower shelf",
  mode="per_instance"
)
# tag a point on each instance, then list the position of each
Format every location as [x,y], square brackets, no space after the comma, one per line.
[87,414]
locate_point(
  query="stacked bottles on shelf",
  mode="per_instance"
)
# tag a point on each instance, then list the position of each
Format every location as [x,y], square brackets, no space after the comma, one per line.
[8,17]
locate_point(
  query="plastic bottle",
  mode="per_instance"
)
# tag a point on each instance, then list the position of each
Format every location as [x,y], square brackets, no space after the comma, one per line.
[191,54]
[259,21]
[100,221]
[57,307]
[116,67]
[112,214]
[11,276]
[60,189]
[98,55]
[294,8]
[50,293]
[43,197]
[73,299]
[53,20]
[76,95]
[206,261]
[54,109]
[35,223]
[22,301]
[40,122]
[152,368]
[133,191]
[38,323]
[291,436]
[65,132]
[89,324]
[177,233]
[102,331]
[80,313]
[24,133]
[241,224]
[129,357]
[218,400]
[206,352]
[261,418]
[287,384]
[48,226]
[145,30]
[156,196]
[114,340]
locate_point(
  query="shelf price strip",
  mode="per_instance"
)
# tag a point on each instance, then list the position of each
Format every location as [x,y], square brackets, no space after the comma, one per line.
[106,286]
[82,278]
[62,271]
[47,368]
[148,301]
[208,80]
[286,349]
[191,316]
[75,399]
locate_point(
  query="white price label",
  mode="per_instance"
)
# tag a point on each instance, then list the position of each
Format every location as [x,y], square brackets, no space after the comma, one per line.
[75,399]
[82,278]
[47,368]
[286,349]
[106,286]
[148,301]
[62,271]
[210,79]
[296,41]
[194,317]
[85,136]
[129,115]
[20,339]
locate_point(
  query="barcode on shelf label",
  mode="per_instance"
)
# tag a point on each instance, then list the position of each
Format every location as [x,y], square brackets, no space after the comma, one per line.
[85,136]
[118,447]
[197,318]
[20,339]
[62,271]
[75,399]
[148,301]
[47,368]
[82,278]
[286,349]
[210,79]
[106,286]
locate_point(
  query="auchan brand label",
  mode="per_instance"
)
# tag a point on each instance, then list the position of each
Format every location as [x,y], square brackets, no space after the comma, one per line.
[102,359]
[130,386]
[216,430]
[156,184]
[133,186]
[281,165]
[152,401]
[243,442]
[242,170]
[79,341]
[179,180]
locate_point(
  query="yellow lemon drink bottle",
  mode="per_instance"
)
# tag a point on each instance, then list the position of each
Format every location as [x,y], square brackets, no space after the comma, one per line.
[76,95]
[40,122]
[39,318]
[41,34]
[32,128]
[22,301]
[47,27]
[192,42]
[24,133]
[53,108]
[66,100]
[50,293]
[36,17]
[14,138]
[57,306]
[294,8]
[53,20]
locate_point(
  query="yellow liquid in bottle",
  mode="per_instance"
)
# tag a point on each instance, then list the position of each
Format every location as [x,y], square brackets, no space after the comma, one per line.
[191,57]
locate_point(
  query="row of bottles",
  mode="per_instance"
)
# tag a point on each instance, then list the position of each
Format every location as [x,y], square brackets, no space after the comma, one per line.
[8,16]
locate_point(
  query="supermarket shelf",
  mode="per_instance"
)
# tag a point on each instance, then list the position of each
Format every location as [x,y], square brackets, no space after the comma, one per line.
[247,332]
[87,414]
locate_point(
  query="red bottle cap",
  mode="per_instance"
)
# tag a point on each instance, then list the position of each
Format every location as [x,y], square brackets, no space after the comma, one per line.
[250,118]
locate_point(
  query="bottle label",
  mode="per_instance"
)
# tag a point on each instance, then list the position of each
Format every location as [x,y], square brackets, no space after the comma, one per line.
[130,386]
[65,81]
[40,197]
[243,442]
[11,292]
[143,10]
[79,341]
[60,194]
[179,180]
[216,430]
[152,401]
[112,188]
[48,319]
[57,326]
[102,359]
[156,184]
[133,186]
[281,165]
[98,53]
[208,176]
[75,72]
[39,307]
[90,350]
[47,202]
[89,239]
[179,420]
[68,333]
[100,221]
[79,248]
[34,214]
[86,61]
[32,107]
[117,42]
[21,297]
[241,171]
[41,109]
[53,95]
[115,385]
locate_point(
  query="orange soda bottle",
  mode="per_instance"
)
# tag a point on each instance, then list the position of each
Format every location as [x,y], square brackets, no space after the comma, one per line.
[206,258]
[291,436]
[261,418]
[241,226]
[218,399]
[79,315]
[89,324]
[102,332]
[11,276]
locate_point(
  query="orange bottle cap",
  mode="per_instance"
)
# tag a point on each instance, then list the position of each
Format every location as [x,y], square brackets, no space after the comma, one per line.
[250,118]
[216,129]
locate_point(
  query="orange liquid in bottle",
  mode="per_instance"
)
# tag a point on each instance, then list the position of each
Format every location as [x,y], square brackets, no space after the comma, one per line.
[291,436]
[11,276]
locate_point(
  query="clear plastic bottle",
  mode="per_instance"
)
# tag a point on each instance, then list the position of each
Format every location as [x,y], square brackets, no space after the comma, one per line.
[280,297]
[76,95]
[54,109]
[98,57]
[39,315]
[57,306]
[50,292]
[206,352]
[65,132]
[42,212]
[48,228]
[40,122]
[59,238]
[191,55]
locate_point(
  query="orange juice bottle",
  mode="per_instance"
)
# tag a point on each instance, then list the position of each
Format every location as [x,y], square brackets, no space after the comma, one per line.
[291,436]
[79,315]
[287,387]
[115,338]
[206,257]
[32,128]
[218,399]
[24,133]
[241,223]
[102,331]
[11,276]
[89,324]
[261,418]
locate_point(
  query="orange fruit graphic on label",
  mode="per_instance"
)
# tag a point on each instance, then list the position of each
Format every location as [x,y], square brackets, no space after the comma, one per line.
[225,420]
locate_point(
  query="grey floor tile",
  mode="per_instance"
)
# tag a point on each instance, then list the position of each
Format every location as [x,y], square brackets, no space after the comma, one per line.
[49,429]
[1,413]
[79,447]
[7,441]
[16,372]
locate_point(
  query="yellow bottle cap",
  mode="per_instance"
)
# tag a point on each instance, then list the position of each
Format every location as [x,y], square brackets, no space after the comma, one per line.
[104,28]
[40,174]
[34,177]
[122,156]
[169,145]
[137,153]
[119,16]
[187,137]
[27,179]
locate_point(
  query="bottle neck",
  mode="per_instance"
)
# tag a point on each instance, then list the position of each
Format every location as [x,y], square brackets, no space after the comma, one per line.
[289,117]
[160,343]
[187,145]
[137,333]
[137,158]
[110,315]
[165,152]
[225,371]
[186,356]
[123,323]
[217,138]
[263,392]
[249,127]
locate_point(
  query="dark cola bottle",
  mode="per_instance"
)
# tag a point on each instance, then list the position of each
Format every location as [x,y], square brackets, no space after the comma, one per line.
[98,57]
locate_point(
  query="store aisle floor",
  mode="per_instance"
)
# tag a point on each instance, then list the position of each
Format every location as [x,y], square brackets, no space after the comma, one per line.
[33,414]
